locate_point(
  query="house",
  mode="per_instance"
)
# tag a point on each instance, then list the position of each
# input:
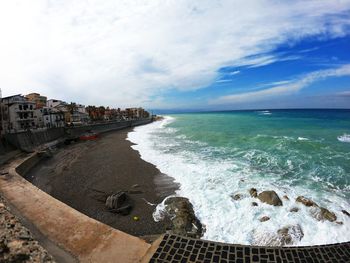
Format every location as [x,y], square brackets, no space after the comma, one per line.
[40,101]
[49,118]
[17,114]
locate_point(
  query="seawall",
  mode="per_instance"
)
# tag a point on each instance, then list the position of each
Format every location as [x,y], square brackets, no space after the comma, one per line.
[28,140]
[86,239]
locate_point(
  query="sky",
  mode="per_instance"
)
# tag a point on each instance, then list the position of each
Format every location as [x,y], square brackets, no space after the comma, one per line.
[177,54]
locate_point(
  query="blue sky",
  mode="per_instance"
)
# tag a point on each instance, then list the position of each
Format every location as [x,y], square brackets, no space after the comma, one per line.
[179,54]
[295,61]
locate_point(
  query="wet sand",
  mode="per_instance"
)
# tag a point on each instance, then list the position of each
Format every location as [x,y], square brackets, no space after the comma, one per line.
[78,173]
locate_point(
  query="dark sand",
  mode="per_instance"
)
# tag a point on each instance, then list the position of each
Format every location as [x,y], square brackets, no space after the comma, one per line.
[108,164]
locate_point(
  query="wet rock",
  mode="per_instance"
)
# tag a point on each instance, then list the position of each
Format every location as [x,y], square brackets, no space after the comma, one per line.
[253,192]
[254,204]
[264,219]
[270,197]
[286,197]
[236,197]
[294,209]
[287,234]
[305,201]
[339,222]
[183,220]
[345,212]
[322,214]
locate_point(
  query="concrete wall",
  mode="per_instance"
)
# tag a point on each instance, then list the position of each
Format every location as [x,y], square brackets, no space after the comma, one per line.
[104,127]
[29,140]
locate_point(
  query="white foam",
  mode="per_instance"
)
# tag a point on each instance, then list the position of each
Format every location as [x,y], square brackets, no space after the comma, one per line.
[302,139]
[344,138]
[209,185]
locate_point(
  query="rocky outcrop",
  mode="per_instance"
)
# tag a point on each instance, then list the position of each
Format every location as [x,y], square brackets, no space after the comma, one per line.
[305,201]
[183,220]
[270,197]
[287,234]
[253,192]
[254,204]
[319,213]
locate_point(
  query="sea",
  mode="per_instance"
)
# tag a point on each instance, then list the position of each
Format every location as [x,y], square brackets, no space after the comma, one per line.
[216,155]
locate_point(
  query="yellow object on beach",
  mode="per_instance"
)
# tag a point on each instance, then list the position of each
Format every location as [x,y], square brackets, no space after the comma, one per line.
[136,218]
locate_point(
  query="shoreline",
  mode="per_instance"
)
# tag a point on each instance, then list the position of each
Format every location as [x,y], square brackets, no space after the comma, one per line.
[78,173]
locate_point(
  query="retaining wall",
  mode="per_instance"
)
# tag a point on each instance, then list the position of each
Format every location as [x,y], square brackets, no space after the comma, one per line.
[29,140]
[83,237]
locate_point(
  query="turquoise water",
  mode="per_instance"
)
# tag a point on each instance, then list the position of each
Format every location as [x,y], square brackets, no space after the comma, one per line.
[299,146]
[219,154]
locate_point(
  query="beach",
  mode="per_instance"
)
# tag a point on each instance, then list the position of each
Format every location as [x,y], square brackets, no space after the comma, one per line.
[79,174]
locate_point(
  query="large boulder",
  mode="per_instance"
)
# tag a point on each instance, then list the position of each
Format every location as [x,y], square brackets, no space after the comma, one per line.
[322,214]
[319,213]
[270,197]
[183,220]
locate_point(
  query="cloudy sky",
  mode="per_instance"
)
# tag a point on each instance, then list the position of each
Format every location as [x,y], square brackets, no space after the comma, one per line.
[177,54]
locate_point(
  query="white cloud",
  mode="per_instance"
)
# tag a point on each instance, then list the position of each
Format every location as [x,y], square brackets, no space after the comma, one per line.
[284,87]
[344,93]
[127,52]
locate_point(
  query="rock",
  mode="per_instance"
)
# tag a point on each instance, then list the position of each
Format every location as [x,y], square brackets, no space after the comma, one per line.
[119,203]
[115,201]
[294,209]
[339,222]
[345,212]
[135,186]
[264,218]
[286,197]
[321,214]
[253,192]
[2,205]
[254,204]
[270,197]
[15,244]
[288,233]
[183,220]
[305,201]
[236,197]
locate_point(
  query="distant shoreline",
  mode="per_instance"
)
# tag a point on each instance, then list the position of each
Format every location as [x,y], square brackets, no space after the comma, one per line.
[108,164]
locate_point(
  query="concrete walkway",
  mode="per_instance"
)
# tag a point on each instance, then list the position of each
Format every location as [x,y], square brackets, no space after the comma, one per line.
[85,238]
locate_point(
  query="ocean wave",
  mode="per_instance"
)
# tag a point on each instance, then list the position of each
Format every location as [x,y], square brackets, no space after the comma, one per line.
[209,183]
[344,138]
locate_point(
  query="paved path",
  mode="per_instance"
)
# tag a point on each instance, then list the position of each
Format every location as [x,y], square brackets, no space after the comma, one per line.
[176,249]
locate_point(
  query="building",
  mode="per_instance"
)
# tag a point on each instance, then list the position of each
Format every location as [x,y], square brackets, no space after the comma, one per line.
[136,113]
[40,101]
[49,118]
[52,103]
[17,114]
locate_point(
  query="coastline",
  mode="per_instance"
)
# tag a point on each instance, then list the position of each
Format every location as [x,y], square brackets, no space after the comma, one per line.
[77,173]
